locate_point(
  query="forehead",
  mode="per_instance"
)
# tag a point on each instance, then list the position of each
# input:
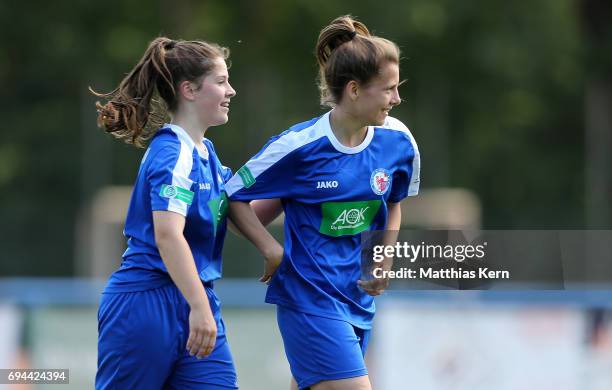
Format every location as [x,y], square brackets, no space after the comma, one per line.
[219,67]
[388,73]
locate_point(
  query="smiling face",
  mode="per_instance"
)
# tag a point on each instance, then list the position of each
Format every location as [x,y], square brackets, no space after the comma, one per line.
[371,102]
[212,96]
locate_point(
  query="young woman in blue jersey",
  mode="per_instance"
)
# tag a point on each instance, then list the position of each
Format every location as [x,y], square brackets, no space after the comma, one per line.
[160,324]
[334,176]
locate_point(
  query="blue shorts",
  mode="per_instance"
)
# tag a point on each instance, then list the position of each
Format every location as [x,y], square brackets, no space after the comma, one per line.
[142,338]
[321,349]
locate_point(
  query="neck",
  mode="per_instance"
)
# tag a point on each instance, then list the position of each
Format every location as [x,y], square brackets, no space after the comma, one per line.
[191,125]
[347,128]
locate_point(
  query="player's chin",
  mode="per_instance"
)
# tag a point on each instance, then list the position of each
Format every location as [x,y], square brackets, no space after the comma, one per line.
[221,119]
[379,120]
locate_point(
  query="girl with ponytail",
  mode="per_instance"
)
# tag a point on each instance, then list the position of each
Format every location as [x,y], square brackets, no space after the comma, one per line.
[334,176]
[159,318]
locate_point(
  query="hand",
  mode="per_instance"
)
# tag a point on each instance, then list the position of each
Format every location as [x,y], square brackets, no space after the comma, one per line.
[375,286]
[202,331]
[272,261]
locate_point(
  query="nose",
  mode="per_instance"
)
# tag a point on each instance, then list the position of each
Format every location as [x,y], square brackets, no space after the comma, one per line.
[395,99]
[231,92]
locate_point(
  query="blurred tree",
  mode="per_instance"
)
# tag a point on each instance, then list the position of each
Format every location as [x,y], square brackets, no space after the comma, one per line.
[494,97]
[597,27]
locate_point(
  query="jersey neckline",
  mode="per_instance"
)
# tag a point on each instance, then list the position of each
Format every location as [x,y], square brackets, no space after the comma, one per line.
[325,122]
[182,134]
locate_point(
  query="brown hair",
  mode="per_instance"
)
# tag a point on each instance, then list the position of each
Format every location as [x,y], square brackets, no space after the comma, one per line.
[133,111]
[347,51]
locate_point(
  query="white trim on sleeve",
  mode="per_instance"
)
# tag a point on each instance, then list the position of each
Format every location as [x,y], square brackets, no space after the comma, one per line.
[395,124]
[278,149]
[180,177]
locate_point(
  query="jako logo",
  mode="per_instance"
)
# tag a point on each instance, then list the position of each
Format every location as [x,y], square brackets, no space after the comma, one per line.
[327,184]
[351,217]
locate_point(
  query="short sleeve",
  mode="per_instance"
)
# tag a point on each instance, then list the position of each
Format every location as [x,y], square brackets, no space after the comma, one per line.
[168,177]
[226,174]
[269,174]
[406,178]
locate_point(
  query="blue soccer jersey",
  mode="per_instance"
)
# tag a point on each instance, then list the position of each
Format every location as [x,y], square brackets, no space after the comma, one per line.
[330,194]
[174,176]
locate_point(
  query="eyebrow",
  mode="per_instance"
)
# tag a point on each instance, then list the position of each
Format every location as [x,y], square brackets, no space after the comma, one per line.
[396,85]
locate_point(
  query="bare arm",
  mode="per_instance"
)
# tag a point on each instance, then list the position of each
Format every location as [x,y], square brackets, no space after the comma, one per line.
[179,262]
[377,286]
[247,222]
[267,210]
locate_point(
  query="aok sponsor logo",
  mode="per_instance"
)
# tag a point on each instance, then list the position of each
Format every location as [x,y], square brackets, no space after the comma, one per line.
[347,218]
[218,209]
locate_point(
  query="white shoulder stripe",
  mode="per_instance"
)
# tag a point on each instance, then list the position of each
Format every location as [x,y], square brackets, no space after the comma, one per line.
[278,149]
[180,176]
[395,124]
[415,180]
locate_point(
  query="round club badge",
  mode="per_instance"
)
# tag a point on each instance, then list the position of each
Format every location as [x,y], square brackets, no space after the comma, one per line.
[169,191]
[380,180]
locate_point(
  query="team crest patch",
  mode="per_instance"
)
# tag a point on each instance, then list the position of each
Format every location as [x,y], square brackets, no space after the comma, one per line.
[246,176]
[380,180]
[176,192]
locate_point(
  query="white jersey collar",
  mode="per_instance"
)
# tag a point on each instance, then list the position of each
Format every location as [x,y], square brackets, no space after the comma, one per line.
[184,137]
[325,123]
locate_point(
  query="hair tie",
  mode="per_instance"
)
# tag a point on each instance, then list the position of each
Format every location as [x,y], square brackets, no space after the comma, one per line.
[170,45]
[352,34]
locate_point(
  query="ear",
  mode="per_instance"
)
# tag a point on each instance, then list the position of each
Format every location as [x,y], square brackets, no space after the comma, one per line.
[186,90]
[352,90]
